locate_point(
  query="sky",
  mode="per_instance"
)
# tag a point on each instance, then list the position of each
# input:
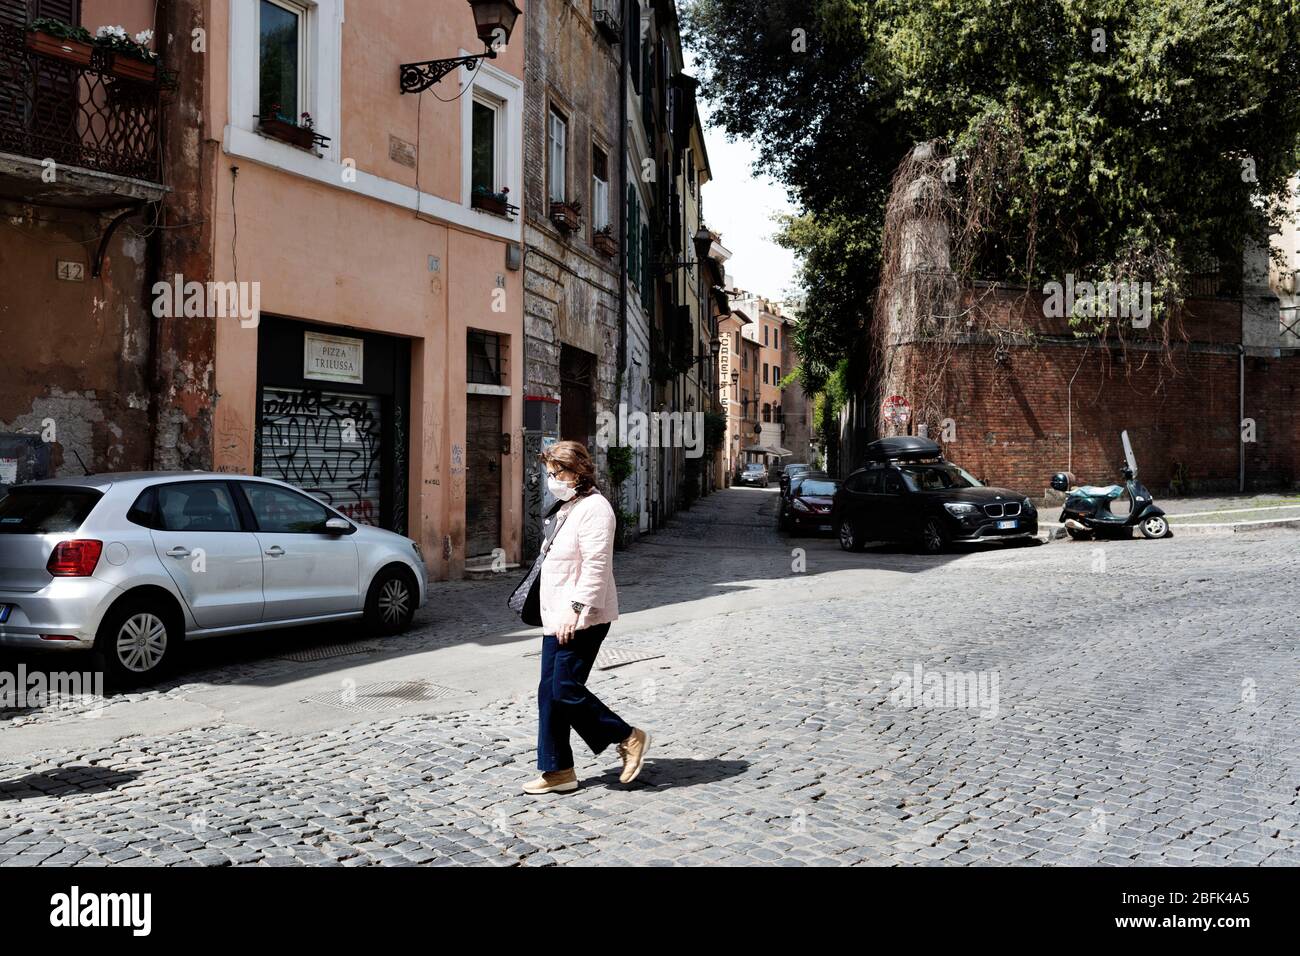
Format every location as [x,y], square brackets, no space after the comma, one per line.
[740,205]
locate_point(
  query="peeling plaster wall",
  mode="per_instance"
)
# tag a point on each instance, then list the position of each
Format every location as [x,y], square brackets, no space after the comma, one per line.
[186,349]
[571,290]
[75,352]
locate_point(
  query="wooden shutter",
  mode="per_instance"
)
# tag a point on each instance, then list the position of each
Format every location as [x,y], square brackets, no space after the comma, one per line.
[69,11]
[55,110]
[13,12]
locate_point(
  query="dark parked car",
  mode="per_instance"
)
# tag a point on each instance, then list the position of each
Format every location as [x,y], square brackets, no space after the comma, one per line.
[755,473]
[807,506]
[789,471]
[908,492]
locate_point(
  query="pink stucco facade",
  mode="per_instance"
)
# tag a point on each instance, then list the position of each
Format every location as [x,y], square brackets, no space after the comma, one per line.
[335,240]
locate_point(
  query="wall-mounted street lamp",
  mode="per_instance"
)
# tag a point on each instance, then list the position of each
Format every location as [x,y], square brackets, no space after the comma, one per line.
[493,19]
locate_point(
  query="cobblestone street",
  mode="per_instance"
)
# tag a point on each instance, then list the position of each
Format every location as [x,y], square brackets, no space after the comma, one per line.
[1132,702]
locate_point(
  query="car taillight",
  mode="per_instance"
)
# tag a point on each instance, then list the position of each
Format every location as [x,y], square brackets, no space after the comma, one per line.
[74,559]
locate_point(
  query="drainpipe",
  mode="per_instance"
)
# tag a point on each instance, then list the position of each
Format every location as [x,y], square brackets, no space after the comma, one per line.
[154,255]
[1069,413]
[1241,417]
[622,203]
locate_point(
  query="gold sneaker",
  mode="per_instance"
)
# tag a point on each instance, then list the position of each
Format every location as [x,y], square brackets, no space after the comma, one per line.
[633,752]
[557,781]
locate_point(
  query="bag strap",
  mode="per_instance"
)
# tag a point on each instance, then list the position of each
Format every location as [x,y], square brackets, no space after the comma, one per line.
[562,513]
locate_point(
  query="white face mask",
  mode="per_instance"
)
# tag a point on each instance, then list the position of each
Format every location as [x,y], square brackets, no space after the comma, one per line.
[559,489]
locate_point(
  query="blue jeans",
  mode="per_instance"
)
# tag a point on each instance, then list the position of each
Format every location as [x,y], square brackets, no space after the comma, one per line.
[564,702]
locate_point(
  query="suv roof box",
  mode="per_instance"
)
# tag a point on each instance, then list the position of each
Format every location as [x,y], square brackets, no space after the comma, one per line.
[902,447]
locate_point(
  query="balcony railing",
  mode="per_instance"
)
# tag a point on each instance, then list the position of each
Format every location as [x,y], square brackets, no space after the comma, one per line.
[78,114]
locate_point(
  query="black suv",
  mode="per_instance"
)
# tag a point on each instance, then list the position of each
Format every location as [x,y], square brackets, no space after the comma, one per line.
[908,492]
[789,471]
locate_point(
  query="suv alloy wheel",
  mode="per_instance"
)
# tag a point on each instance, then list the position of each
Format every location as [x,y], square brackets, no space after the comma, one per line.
[850,538]
[934,537]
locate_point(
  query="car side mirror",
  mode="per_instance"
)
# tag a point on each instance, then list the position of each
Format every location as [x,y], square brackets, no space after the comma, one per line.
[338,526]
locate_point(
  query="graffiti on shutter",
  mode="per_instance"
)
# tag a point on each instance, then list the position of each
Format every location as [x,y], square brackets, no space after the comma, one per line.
[327,444]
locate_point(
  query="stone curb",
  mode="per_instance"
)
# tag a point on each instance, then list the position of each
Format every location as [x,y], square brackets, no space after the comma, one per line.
[1056,531]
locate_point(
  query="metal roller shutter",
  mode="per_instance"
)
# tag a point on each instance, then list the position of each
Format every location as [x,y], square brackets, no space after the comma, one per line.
[326,443]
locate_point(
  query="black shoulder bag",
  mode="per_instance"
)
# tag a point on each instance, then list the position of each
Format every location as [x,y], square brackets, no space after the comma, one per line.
[526,599]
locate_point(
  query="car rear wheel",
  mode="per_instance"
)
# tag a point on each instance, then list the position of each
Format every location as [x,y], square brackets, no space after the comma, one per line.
[851,539]
[390,604]
[934,537]
[136,641]
[1155,527]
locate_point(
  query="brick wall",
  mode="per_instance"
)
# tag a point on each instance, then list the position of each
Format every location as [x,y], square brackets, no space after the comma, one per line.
[1012,420]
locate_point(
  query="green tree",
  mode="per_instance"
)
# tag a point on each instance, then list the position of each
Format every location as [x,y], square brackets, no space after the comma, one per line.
[1105,138]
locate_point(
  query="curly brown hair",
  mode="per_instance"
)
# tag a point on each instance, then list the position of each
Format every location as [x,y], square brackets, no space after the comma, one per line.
[573,457]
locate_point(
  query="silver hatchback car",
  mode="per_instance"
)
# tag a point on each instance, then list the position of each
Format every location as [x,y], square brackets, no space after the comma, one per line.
[134,564]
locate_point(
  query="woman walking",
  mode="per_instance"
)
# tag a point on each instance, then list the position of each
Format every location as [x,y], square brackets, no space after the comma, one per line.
[577,603]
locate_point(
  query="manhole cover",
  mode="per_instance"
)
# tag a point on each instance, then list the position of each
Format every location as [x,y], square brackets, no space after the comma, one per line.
[324,652]
[384,695]
[607,659]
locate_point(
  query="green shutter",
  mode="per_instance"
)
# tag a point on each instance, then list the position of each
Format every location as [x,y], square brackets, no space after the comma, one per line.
[647,270]
[632,223]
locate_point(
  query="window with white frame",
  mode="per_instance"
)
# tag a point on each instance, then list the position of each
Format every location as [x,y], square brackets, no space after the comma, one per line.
[487,151]
[557,144]
[282,60]
[599,189]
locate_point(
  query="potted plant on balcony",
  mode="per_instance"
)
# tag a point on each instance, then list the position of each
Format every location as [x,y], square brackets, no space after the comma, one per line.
[497,203]
[567,215]
[604,241]
[51,37]
[278,126]
[131,57]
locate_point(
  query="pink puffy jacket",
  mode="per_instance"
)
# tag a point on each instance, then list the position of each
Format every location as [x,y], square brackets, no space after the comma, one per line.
[580,565]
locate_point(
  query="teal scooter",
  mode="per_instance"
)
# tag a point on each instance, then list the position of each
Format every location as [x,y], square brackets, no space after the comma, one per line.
[1088,509]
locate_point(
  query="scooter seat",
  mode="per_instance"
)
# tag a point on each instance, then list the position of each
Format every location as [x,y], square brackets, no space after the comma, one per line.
[1099,491]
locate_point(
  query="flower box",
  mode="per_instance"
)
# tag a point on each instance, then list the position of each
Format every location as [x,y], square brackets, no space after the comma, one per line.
[73,51]
[303,137]
[566,215]
[496,203]
[605,244]
[489,203]
[133,68]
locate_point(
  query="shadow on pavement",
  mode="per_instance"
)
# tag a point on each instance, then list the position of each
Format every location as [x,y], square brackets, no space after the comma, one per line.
[672,773]
[66,781]
[726,543]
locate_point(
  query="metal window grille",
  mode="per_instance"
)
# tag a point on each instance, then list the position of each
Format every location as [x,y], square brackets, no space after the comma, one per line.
[483,358]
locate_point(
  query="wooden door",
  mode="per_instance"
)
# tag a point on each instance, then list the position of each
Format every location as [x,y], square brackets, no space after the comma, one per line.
[482,474]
